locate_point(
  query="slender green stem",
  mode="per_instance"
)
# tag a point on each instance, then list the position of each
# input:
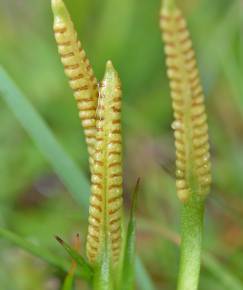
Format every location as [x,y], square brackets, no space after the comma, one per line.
[191,232]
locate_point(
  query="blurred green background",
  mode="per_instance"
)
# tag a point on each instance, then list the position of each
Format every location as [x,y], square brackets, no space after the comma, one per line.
[33,201]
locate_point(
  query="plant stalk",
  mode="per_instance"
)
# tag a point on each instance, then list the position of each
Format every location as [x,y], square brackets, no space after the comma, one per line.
[191,245]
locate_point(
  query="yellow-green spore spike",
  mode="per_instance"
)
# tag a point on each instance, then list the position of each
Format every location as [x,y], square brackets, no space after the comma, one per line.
[78,70]
[190,126]
[106,199]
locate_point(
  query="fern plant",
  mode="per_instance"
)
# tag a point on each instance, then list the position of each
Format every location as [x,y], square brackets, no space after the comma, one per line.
[99,108]
[193,174]
[110,249]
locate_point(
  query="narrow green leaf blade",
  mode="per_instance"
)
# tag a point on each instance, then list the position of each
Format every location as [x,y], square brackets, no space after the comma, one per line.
[33,249]
[29,118]
[41,253]
[127,279]
[84,266]
[68,282]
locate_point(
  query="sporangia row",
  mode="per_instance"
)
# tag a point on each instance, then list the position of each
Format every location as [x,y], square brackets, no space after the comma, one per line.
[78,70]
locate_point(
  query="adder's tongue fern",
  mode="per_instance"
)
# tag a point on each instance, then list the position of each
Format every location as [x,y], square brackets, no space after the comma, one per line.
[100,113]
[78,70]
[190,125]
[193,174]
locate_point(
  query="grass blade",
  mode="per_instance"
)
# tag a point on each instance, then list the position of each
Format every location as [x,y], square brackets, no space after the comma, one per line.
[33,249]
[69,279]
[40,252]
[68,282]
[29,118]
[127,280]
[84,266]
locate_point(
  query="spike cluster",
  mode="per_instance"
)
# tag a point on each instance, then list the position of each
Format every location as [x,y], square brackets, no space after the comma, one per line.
[106,198]
[100,112]
[78,70]
[190,125]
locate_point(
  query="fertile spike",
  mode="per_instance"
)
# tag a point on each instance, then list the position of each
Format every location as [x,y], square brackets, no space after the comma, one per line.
[78,70]
[106,199]
[190,125]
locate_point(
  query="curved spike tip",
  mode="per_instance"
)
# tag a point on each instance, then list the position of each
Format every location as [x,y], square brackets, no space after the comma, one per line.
[110,68]
[56,2]
[109,65]
[59,9]
[110,73]
[168,4]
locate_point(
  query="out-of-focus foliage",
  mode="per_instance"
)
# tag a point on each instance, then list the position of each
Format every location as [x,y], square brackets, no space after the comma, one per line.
[35,204]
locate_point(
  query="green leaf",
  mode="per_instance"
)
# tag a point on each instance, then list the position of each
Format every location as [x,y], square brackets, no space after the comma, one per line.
[84,266]
[29,118]
[33,249]
[68,282]
[127,278]
[41,253]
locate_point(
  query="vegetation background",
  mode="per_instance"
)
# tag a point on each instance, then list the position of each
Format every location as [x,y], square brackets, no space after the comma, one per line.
[33,201]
